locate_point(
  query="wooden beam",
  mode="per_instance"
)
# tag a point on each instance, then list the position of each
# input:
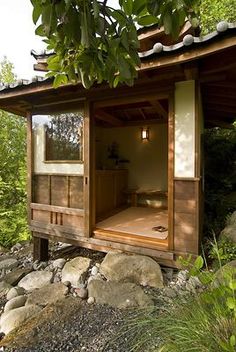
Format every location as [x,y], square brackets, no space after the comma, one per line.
[40,248]
[102,115]
[159,108]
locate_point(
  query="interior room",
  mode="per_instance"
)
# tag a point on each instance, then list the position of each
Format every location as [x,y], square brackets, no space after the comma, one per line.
[131,143]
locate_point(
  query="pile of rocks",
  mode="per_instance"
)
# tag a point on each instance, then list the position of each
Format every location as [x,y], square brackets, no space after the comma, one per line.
[120,280]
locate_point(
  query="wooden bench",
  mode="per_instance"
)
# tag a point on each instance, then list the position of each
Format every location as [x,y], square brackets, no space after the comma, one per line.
[136,192]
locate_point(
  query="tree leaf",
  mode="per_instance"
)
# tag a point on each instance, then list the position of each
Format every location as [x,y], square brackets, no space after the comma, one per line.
[231,303]
[199,262]
[147,20]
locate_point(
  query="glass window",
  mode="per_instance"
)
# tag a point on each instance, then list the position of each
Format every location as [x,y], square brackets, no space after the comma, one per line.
[62,136]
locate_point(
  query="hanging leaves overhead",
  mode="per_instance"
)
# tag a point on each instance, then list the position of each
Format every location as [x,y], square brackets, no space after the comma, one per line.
[94,42]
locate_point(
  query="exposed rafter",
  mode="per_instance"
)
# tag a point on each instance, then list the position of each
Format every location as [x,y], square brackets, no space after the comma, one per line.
[106,117]
[159,108]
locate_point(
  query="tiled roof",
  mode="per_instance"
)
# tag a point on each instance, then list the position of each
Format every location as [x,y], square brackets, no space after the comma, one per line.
[189,41]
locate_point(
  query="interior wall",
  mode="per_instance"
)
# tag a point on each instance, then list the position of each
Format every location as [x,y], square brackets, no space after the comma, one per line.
[148,161]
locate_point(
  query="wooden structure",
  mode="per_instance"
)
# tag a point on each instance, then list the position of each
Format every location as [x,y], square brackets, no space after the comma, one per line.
[86,160]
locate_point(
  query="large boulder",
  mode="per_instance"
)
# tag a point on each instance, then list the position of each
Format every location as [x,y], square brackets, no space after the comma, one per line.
[76,270]
[15,276]
[120,295]
[229,231]
[15,303]
[47,294]
[8,263]
[132,268]
[36,279]
[14,318]
[4,288]
[14,292]
[224,274]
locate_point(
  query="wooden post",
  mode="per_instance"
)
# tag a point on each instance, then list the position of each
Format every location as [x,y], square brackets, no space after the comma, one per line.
[40,249]
[171,172]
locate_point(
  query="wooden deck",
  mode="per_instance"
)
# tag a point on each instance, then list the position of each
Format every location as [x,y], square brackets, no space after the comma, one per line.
[135,224]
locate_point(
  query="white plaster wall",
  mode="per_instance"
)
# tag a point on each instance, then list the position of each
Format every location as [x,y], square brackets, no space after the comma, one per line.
[39,155]
[148,165]
[185,129]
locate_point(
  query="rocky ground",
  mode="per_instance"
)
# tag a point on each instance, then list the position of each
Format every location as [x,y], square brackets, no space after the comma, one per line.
[80,300]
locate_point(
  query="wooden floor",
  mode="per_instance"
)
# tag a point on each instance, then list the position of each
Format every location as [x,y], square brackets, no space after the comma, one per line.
[138,221]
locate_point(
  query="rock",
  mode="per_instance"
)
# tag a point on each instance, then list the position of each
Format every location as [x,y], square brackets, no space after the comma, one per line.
[16,247]
[132,268]
[15,276]
[39,265]
[81,292]
[119,295]
[224,273]
[15,317]
[8,263]
[76,270]
[47,294]
[58,263]
[91,300]
[4,288]
[193,284]
[67,283]
[14,292]
[169,292]
[15,303]
[36,279]
[229,232]
[94,270]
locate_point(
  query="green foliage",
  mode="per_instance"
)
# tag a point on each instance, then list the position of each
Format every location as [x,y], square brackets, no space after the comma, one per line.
[94,42]
[220,177]
[223,251]
[13,226]
[204,322]
[214,11]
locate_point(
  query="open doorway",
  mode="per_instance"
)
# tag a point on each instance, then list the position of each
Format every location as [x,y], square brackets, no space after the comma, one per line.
[131,153]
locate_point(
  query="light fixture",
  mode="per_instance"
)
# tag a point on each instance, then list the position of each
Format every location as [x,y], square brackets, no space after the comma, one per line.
[145,134]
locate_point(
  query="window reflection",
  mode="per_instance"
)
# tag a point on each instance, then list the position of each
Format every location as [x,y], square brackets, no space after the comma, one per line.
[63,136]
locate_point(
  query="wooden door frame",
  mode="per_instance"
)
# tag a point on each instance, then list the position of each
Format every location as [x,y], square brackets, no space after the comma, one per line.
[91,167]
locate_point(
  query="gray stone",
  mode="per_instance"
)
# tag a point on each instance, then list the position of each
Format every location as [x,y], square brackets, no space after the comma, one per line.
[182,277]
[91,300]
[81,292]
[59,263]
[36,279]
[15,276]
[39,265]
[4,288]
[14,292]
[16,247]
[15,303]
[76,270]
[47,294]
[224,273]
[8,263]
[132,268]
[169,292]
[94,270]
[15,317]
[229,232]
[117,294]
[232,219]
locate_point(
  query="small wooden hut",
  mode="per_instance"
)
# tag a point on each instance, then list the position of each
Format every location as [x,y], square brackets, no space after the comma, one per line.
[122,169]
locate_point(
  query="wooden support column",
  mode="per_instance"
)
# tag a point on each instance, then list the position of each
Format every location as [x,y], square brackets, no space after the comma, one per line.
[40,249]
[89,199]
[187,174]
[40,245]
